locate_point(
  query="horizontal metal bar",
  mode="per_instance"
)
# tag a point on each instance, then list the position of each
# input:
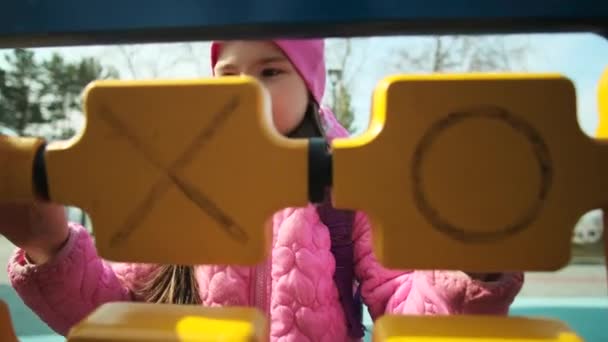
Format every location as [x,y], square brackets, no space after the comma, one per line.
[76,22]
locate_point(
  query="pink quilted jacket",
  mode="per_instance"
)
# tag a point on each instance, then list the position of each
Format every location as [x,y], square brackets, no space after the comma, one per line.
[295,288]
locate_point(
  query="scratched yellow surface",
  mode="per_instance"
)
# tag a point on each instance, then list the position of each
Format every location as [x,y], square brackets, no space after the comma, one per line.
[7,332]
[16,160]
[130,322]
[475,165]
[602,104]
[469,328]
[173,171]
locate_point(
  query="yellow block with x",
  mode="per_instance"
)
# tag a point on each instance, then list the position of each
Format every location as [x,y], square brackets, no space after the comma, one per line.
[138,322]
[179,172]
[470,328]
[476,172]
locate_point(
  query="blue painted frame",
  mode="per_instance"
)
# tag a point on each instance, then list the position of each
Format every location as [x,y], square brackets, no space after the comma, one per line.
[28,23]
[75,22]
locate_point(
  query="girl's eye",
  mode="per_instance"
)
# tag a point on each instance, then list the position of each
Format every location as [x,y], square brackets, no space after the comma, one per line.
[270,72]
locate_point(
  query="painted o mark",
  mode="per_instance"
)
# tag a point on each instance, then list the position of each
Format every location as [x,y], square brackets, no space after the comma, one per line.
[541,153]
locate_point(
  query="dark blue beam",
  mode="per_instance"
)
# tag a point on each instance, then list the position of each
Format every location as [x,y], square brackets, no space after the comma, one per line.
[76,22]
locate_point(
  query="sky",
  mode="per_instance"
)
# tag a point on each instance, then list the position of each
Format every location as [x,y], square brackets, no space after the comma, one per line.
[579,56]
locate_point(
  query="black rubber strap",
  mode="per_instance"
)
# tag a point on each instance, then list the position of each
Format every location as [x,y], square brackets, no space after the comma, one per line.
[319,169]
[41,186]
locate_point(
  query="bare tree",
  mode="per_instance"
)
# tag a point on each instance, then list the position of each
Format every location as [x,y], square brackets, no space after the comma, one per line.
[197,54]
[343,67]
[162,60]
[129,53]
[463,54]
[340,56]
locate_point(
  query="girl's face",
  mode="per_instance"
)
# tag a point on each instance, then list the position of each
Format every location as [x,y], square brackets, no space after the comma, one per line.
[266,62]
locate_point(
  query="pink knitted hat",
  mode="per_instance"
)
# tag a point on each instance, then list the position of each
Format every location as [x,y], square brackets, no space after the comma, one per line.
[308,57]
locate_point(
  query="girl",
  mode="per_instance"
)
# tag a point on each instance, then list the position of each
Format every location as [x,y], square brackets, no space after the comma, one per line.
[321,267]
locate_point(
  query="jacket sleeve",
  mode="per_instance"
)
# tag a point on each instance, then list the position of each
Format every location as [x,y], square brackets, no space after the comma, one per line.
[74,283]
[387,291]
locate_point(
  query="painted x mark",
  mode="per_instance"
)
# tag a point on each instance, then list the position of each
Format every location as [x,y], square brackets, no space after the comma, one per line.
[202,201]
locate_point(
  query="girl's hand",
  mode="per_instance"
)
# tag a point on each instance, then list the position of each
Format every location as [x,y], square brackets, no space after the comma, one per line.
[40,229]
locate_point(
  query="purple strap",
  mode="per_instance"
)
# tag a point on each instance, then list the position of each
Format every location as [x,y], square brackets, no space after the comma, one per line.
[340,224]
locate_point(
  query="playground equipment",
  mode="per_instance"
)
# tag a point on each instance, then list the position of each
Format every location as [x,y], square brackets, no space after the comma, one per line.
[151,322]
[511,143]
[7,333]
[468,328]
[602,104]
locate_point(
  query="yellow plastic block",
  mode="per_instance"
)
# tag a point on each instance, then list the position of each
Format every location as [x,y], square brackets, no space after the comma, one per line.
[602,102]
[7,332]
[179,172]
[130,322]
[474,172]
[16,168]
[463,328]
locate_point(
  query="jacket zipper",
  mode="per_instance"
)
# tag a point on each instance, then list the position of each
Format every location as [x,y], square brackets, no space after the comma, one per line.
[260,287]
